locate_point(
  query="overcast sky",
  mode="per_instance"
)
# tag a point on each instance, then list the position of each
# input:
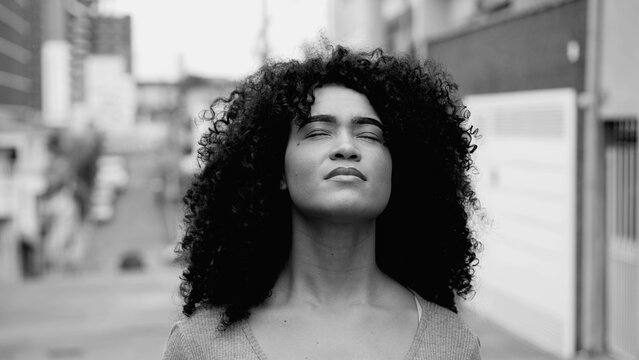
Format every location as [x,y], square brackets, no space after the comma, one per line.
[216,38]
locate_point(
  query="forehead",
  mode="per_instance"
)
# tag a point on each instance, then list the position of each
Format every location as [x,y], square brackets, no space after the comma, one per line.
[342,102]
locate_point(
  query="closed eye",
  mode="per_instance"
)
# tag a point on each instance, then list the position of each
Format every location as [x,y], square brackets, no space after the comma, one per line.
[317,133]
[368,130]
[370,136]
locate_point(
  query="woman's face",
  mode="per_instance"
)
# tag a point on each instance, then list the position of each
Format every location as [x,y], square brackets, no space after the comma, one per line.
[336,164]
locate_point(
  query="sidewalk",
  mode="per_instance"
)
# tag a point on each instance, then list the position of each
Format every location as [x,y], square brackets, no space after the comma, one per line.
[89,316]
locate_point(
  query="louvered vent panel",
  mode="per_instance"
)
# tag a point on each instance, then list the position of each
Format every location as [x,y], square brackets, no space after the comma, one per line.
[540,119]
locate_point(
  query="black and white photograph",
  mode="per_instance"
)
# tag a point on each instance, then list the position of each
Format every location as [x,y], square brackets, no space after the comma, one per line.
[319,179]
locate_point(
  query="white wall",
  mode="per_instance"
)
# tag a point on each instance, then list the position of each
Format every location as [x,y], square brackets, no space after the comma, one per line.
[620,58]
[527,184]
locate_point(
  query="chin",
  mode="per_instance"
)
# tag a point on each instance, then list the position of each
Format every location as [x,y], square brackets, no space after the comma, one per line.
[341,206]
[345,212]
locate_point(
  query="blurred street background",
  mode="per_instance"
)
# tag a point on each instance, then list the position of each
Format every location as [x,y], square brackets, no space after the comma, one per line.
[117,304]
[99,106]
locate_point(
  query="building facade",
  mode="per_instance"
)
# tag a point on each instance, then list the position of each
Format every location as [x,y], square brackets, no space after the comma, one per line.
[111,35]
[65,45]
[22,141]
[111,90]
[549,85]
[42,48]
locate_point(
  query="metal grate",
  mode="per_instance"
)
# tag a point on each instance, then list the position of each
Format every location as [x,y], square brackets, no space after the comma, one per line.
[621,231]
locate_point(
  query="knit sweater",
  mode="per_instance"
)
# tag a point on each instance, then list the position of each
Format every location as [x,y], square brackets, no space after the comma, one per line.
[441,334]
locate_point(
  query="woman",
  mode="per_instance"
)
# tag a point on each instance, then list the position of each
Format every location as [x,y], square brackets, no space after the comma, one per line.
[330,219]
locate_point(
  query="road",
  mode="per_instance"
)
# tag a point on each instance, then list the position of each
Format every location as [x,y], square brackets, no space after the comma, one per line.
[101,312]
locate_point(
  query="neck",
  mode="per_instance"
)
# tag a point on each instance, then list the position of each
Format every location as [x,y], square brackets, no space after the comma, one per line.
[330,264]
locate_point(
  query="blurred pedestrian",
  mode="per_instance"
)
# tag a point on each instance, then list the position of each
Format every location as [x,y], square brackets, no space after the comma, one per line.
[330,219]
[62,246]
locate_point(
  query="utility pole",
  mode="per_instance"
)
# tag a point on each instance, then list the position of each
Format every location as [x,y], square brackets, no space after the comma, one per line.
[263,36]
[593,250]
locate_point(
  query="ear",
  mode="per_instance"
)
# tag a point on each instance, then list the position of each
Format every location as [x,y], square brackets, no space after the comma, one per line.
[283,185]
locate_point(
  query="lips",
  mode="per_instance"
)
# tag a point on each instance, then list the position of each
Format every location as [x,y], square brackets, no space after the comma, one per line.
[345,171]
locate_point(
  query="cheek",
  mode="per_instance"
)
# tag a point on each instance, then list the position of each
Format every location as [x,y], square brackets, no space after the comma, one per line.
[296,165]
[385,171]
[385,166]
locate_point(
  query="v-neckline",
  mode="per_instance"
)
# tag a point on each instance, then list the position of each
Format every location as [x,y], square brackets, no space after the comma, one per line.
[410,354]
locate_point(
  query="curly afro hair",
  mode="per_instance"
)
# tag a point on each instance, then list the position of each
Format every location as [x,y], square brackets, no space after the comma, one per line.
[237,223]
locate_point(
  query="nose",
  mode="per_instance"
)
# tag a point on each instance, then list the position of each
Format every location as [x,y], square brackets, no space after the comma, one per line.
[345,149]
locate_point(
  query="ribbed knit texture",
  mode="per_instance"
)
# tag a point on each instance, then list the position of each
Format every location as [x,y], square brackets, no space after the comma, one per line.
[441,334]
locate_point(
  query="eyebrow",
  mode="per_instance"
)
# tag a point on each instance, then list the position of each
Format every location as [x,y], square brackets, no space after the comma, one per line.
[357,120]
